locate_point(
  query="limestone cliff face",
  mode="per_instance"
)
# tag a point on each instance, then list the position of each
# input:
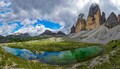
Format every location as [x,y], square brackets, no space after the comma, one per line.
[80,24]
[72,29]
[119,19]
[103,19]
[112,20]
[94,17]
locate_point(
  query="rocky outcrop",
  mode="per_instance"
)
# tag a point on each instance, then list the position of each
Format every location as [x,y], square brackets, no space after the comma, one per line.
[100,35]
[50,33]
[119,19]
[112,20]
[94,17]
[60,33]
[72,29]
[80,24]
[18,35]
[103,19]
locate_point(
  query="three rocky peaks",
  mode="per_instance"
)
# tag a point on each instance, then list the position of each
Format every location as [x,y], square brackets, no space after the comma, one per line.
[95,19]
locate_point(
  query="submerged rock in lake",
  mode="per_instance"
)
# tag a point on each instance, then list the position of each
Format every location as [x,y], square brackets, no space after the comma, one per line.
[58,58]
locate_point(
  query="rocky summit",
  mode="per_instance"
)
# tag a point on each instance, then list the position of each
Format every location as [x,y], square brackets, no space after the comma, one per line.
[72,29]
[112,20]
[97,28]
[103,19]
[94,16]
[80,23]
[50,33]
[119,19]
[93,21]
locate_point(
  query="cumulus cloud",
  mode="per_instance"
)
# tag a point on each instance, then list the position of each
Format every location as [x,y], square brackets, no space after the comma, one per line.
[6,29]
[116,3]
[33,31]
[28,21]
[5,3]
[64,12]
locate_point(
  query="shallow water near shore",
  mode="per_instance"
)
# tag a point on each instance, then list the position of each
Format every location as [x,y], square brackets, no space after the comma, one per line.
[57,58]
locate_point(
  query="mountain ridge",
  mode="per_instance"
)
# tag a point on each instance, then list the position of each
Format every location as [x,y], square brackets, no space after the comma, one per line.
[95,19]
[97,28]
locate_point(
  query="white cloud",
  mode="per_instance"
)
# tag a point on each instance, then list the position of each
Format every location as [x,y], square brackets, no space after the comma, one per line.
[28,21]
[6,29]
[64,12]
[81,3]
[33,31]
[116,3]
[4,4]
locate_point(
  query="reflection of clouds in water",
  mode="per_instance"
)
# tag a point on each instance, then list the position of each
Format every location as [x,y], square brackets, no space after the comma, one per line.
[23,53]
[58,58]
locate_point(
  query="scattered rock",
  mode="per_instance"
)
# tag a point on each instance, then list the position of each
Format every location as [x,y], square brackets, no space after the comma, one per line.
[100,35]
[102,59]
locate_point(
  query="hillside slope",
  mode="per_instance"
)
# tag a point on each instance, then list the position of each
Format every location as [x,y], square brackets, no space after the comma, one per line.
[99,35]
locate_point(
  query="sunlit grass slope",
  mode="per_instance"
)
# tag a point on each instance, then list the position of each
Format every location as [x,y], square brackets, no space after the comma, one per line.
[51,44]
[58,44]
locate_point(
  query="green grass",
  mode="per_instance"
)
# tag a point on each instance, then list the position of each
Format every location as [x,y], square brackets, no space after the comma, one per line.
[51,45]
[37,46]
[48,45]
[114,60]
[9,60]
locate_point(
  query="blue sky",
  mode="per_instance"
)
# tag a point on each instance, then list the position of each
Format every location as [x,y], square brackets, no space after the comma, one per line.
[47,24]
[5,11]
[35,16]
[29,25]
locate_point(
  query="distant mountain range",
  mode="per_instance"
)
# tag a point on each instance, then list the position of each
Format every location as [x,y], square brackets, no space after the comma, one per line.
[97,28]
[50,33]
[20,37]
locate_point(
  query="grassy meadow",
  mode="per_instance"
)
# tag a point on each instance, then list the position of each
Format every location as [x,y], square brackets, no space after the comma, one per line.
[55,44]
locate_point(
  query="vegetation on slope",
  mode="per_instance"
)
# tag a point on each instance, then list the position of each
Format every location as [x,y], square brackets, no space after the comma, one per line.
[8,60]
[110,59]
[39,45]
[113,49]
[51,44]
